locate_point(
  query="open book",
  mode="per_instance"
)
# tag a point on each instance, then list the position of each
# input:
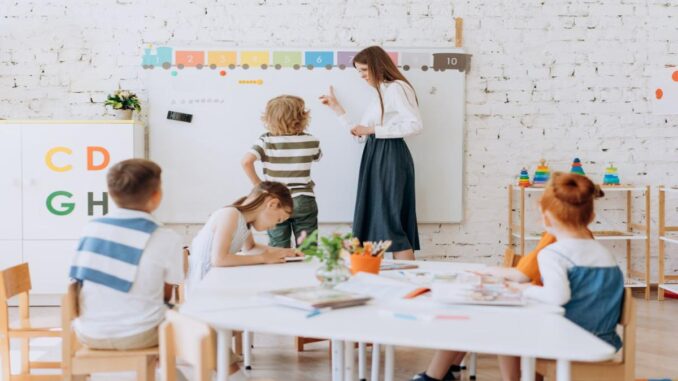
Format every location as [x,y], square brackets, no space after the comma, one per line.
[380,287]
[316,298]
[468,288]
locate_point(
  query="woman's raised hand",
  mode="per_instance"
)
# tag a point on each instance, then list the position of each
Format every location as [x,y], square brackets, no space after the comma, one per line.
[330,100]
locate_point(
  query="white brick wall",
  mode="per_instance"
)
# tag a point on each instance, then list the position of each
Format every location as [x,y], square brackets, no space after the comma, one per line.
[553,79]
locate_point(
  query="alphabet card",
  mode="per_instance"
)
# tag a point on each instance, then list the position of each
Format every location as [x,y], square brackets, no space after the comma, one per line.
[62,180]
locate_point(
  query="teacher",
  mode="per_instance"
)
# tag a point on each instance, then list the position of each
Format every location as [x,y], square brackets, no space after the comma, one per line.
[385,207]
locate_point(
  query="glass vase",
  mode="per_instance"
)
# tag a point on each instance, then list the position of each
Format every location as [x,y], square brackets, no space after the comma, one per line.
[331,275]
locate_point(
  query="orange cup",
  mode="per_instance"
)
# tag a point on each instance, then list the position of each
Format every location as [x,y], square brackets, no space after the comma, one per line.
[365,263]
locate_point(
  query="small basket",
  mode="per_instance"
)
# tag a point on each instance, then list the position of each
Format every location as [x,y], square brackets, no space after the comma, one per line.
[365,263]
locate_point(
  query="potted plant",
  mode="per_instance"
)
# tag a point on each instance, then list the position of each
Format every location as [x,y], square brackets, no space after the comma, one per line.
[125,102]
[328,251]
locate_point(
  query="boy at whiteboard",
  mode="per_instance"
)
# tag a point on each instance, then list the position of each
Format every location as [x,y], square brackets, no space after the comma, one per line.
[287,152]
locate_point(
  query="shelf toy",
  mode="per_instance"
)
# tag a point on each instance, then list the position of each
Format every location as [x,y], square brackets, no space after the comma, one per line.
[541,174]
[611,176]
[576,167]
[524,180]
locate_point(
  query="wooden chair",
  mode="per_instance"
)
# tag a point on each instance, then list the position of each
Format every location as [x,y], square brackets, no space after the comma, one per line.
[16,281]
[180,291]
[79,361]
[179,297]
[511,259]
[614,370]
[191,341]
[302,341]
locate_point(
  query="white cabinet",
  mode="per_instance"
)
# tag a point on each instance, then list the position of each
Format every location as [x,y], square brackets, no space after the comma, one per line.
[10,182]
[10,253]
[49,262]
[56,183]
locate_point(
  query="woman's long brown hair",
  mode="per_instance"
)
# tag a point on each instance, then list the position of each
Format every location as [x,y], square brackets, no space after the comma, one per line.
[382,69]
[259,195]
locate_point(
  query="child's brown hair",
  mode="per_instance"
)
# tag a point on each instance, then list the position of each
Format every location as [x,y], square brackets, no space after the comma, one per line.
[286,115]
[569,198]
[131,183]
[261,192]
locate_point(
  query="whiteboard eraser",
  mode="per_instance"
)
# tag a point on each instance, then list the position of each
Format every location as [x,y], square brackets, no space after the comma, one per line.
[173,115]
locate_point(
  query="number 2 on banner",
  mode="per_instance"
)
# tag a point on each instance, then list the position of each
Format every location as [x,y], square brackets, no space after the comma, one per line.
[190,58]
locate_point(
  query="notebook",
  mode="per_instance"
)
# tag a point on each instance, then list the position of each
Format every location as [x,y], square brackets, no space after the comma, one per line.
[388,266]
[312,298]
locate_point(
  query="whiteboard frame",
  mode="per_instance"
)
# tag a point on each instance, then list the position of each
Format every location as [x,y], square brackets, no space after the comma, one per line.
[454,219]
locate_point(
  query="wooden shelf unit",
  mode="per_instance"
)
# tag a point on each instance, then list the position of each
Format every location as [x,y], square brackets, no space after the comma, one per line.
[517,236]
[664,238]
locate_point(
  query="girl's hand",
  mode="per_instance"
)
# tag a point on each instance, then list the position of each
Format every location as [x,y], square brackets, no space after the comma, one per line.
[273,255]
[360,130]
[332,102]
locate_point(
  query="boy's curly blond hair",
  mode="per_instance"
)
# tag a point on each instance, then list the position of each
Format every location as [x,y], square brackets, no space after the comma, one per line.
[286,115]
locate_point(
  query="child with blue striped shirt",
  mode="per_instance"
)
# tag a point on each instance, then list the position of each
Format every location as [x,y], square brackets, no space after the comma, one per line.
[123,262]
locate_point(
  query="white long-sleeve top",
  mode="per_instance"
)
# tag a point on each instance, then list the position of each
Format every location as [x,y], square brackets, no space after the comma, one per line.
[556,259]
[401,113]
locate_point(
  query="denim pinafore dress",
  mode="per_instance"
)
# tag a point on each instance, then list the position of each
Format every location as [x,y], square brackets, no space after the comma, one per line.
[596,300]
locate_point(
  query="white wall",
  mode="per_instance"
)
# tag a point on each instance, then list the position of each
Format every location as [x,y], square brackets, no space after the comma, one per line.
[556,79]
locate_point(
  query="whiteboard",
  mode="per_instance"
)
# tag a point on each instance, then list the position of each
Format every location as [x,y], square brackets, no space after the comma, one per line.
[227,93]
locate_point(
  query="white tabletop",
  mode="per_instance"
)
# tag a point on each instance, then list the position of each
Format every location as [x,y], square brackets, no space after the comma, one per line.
[228,299]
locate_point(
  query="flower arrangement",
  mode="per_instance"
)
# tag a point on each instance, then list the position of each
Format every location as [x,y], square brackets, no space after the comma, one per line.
[123,100]
[330,250]
[327,250]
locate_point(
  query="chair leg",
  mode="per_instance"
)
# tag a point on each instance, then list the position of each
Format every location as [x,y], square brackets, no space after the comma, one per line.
[237,346]
[5,363]
[25,357]
[146,369]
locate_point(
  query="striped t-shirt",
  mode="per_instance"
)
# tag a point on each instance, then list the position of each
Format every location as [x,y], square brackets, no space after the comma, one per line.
[287,159]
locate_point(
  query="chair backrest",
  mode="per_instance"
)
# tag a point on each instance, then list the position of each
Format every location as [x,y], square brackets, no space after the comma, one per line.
[628,321]
[192,341]
[186,253]
[69,304]
[180,291]
[511,259]
[14,281]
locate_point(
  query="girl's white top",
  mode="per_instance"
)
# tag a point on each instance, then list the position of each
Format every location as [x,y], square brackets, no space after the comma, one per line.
[200,260]
[556,259]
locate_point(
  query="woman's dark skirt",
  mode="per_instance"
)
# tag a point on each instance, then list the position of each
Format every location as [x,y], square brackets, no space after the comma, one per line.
[385,207]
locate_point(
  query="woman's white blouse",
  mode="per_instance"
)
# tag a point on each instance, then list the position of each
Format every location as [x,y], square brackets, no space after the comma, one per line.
[401,113]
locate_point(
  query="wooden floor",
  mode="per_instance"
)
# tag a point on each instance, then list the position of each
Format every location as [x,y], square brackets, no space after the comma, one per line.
[275,357]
